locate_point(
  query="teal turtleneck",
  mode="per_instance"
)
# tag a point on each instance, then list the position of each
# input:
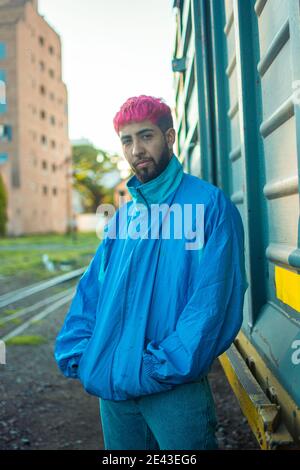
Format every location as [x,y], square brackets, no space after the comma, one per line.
[158,189]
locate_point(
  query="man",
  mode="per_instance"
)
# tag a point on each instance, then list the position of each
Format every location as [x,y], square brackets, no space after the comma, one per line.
[152,312]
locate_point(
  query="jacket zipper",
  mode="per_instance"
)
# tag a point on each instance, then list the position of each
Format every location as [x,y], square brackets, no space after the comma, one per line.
[141,194]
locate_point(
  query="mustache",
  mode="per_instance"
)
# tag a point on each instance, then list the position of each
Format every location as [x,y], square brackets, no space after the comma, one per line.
[141,160]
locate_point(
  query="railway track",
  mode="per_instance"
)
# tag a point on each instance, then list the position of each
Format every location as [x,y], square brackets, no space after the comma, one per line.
[40,308]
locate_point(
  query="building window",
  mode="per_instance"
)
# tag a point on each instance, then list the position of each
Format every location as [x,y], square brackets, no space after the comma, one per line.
[45,190]
[42,66]
[5,133]
[33,186]
[15,178]
[42,90]
[53,144]
[51,96]
[41,41]
[43,114]
[51,50]
[44,165]
[54,191]
[52,120]
[2,50]
[51,73]
[43,140]
[53,167]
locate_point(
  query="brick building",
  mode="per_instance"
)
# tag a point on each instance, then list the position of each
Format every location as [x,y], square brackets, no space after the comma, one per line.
[35,151]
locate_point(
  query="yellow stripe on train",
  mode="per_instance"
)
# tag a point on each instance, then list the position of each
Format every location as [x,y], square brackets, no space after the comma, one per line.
[288,287]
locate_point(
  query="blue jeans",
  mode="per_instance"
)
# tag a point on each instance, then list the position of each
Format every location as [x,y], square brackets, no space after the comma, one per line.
[182,418]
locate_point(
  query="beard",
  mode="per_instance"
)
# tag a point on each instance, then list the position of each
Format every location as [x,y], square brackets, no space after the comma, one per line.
[155,168]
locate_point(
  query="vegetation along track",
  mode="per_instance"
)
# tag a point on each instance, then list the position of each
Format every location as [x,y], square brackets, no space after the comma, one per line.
[47,303]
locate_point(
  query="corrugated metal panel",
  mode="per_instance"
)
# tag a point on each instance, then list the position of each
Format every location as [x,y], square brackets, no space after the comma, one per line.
[278,327]
[244,136]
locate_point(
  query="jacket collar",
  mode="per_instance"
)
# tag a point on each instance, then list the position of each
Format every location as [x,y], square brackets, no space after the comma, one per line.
[158,189]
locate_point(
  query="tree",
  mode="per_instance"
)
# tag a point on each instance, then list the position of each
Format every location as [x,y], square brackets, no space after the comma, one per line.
[3,208]
[91,165]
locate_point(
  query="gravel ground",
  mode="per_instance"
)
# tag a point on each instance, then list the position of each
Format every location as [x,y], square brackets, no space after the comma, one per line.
[233,430]
[40,409]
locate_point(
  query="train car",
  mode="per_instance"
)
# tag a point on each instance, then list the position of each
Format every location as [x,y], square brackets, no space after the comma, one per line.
[236,71]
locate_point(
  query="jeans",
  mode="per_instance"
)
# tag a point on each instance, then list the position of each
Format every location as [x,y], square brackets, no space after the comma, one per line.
[182,418]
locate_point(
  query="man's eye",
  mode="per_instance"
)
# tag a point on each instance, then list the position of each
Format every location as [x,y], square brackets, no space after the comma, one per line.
[147,136]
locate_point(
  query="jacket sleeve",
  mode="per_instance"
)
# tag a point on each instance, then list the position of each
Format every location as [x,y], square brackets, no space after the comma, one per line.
[80,319]
[213,315]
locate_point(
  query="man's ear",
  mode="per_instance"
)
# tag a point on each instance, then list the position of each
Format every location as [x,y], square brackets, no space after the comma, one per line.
[170,136]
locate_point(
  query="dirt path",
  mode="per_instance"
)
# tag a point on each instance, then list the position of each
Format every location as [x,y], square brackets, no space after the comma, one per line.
[41,409]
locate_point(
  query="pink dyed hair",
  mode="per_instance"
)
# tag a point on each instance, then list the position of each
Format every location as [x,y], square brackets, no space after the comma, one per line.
[142,108]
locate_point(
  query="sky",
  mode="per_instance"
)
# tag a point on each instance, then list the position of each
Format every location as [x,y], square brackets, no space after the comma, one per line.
[111,50]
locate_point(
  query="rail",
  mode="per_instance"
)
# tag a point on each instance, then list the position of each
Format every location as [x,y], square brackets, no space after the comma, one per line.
[48,305]
[12,297]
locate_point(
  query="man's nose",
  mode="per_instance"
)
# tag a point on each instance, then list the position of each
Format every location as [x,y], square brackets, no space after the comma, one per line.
[137,148]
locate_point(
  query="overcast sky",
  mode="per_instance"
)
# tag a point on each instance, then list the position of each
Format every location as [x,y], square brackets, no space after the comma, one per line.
[111,50]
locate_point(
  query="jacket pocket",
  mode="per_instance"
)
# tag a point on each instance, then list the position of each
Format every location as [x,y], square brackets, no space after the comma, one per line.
[149,384]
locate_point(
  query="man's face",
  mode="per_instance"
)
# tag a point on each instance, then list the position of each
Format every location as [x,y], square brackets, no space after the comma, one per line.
[146,148]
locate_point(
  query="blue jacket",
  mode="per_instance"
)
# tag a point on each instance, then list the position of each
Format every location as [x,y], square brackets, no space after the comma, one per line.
[148,313]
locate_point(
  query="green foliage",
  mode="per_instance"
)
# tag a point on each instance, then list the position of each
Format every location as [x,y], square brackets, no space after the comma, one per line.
[26,257]
[10,311]
[3,208]
[90,165]
[53,239]
[33,340]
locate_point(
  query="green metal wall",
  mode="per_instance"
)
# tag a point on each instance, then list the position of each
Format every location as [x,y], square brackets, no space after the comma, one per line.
[238,111]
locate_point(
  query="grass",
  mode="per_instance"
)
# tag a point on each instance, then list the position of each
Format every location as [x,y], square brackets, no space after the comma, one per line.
[10,311]
[51,238]
[6,313]
[33,340]
[27,260]
[15,321]
[14,262]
